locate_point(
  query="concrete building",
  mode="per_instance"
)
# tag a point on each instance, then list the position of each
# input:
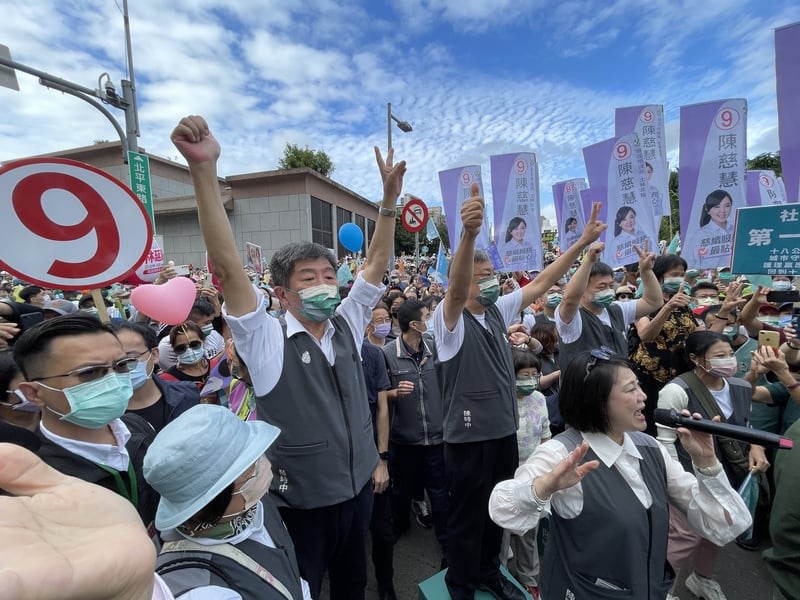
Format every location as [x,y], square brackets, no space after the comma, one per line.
[268,208]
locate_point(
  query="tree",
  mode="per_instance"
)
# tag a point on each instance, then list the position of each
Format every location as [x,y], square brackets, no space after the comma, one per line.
[768,161]
[295,157]
[669,228]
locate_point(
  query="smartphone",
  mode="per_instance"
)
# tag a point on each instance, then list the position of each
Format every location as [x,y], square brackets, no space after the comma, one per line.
[769,338]
[207,283]
[30,319]
[181,270]
[781,297]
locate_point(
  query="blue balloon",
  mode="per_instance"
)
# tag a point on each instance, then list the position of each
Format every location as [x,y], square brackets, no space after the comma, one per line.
[351,237]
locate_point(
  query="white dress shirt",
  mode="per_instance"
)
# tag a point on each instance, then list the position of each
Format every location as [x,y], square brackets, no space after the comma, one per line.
[704,499]
[114,457]
[570,332]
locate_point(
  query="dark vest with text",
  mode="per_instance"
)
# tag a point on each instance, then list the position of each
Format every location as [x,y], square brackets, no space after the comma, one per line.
[595,333]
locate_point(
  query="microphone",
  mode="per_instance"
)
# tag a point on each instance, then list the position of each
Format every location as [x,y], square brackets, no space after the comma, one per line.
[672,418]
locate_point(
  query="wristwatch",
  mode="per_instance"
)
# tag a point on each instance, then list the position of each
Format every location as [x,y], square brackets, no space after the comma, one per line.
[383,455]
[387,212]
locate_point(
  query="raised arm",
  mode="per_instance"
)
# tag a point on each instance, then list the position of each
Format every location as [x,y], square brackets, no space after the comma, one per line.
[380,248]
[463,265]
[652,298]
[194,141]
[555,271]
[576,286]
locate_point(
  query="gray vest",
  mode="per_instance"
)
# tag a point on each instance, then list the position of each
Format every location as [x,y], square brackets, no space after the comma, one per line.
[614,539]
[416,419]
[595,333]
[741,395]
[478,384]
[325,453]
[185,571]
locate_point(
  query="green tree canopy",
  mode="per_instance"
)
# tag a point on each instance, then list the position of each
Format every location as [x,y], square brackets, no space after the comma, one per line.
[295,157]
[768,161]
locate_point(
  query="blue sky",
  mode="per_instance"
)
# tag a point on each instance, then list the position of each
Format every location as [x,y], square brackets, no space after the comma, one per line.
[474,77]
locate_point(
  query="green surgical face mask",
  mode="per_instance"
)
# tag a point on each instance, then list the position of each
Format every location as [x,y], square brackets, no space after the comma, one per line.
[553,300]
[672,285]
[603,298]
[224,530]
[490,291]
[319,302]
[526,385]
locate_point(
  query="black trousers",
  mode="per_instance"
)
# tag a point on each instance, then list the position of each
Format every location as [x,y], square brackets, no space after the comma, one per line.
[474,540]
[333,538]
[380,527]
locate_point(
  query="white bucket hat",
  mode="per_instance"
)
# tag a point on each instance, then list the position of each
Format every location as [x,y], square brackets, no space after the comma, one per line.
[198,455]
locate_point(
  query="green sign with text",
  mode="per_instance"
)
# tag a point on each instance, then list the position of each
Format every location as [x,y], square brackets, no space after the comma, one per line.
[139,168]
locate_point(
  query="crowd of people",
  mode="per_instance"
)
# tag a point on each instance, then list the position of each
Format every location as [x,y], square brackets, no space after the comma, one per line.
[249,451]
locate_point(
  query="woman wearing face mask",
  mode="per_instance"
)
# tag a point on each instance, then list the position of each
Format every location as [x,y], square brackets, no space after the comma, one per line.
[223,534]
[380,327]
[393,301]
[707,386]
[657,334]
[186,341]
[156,400]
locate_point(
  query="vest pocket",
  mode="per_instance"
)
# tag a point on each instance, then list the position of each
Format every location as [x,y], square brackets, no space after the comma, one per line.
[302,449]
[597,587]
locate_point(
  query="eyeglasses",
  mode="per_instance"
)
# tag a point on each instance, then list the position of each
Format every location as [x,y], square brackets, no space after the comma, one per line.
[138,356]
[382,321]
[601,353]
[86,374]
[194,345]
[624,297]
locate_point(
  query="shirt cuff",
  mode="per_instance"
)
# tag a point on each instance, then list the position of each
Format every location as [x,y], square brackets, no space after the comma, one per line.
[365,293]
[243,324]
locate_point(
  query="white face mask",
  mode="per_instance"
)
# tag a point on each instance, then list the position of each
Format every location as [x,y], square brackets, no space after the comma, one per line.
[257,486]
[722,367]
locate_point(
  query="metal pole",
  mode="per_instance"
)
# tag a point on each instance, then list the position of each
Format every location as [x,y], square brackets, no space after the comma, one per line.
[388,126]
[131,128]
[416,250]
[132,110]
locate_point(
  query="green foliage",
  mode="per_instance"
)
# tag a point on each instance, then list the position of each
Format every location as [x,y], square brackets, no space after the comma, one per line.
[670,227]
[295,157]
[404,241]
[768,161]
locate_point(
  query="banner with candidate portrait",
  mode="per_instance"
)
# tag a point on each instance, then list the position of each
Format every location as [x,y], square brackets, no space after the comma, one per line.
[787,79]
[571,219]
[713,151]
[764,188]
[617,172]
[515,199]
[647,122]
[456,186]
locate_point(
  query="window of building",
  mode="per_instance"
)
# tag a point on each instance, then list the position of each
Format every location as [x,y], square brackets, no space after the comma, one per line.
[370,234]
[342,216]
[360,221]
[321,222]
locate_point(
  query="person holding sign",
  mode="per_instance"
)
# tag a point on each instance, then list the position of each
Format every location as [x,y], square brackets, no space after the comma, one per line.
[325,462]
[711,245]
[480,402]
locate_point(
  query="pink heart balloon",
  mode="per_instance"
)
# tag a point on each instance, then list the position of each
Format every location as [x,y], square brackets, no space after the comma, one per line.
[169,303]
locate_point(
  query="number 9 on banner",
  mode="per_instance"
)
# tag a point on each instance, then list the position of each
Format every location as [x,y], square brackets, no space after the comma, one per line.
[69,225]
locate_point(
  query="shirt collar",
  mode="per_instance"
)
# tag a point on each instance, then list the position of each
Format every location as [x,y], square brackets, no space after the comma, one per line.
[607,450]
[115,457]
[293,326]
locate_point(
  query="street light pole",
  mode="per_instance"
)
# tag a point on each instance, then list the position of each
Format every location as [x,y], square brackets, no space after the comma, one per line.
[405,127]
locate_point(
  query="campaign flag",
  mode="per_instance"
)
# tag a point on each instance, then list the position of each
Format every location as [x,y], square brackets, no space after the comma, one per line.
[674,245]
[456,187]
[647,122]
[517,225]
[764,189]
[787,79]
[431,232]
[344,274]
[712,186]
[570,217]
[254,257]
[617,172]
[440,274]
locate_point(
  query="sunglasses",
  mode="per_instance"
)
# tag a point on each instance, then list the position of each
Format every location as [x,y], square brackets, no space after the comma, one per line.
[91,373]
[602,353]
[181,348]
[624,297]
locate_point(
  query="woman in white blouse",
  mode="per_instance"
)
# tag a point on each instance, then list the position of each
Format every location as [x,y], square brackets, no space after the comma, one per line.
[607,487]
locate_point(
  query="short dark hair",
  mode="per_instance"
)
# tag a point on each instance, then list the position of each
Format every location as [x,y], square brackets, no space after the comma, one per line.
[601,269]
[8,370]
[181,330]
[704,285]
[545,331]
[582,398]
[202,306]
[632,267]
[524,359]
[146,332]
[281,266]
[28,292]
[696,343]
[667,263]
[410,310]
[34,343]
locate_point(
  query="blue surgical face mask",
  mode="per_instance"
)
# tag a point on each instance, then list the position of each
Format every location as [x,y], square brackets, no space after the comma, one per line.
[785,320]
[207,329]
[95,404]
[781,286]
[139,375]
[191,356]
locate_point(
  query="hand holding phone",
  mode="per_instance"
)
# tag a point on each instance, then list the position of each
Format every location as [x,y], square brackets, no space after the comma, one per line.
[769,338]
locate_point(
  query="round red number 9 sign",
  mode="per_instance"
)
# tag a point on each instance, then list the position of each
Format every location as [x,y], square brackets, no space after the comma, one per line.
[622,151]
[647,116]
[727,118]
[466,178]
[521,166]
[69,225]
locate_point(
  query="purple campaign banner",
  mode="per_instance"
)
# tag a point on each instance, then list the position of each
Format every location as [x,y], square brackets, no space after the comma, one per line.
[647,122]
[456,185]
[588,198]
[616,170]
[515,199]
[570,215]
[764,189]
[713,146]
[787,76]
